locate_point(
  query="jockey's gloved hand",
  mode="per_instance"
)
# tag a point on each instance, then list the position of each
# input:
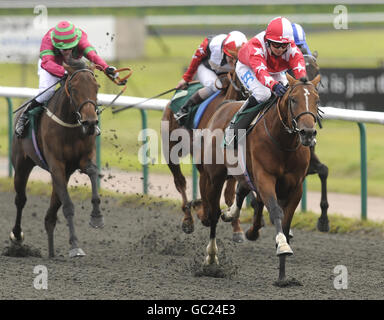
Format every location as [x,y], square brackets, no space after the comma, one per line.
[65,76]
[111,72]
[279,89]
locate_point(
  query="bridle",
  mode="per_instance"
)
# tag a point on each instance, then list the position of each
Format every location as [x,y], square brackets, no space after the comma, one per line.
[294,118]
[68,91]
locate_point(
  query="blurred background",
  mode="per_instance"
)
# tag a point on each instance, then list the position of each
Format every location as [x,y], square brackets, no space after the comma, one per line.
[158,38]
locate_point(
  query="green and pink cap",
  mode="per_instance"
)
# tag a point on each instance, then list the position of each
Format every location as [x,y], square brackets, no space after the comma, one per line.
[65,35]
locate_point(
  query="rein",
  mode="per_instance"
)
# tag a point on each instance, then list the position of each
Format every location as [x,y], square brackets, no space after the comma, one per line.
[67,88]
[294,121]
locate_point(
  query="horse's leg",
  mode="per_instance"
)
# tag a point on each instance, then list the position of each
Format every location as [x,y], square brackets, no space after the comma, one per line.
[181,186]
[213,189]
[315,166]
[50,221]
[258,220]
[202,212]
[60,181]
[97,219]
[293,199]
[266,186]
[23,168]
[229,196]
[233,213]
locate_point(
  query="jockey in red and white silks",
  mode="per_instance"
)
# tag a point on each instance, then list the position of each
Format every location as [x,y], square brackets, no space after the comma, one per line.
[264,60]
[213,57]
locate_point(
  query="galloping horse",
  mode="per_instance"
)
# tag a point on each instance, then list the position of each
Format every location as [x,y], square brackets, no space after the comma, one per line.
[273,165]
[63,142]
[231,91]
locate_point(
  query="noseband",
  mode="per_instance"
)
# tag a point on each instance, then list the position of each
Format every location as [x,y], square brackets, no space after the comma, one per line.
[295,119]
[68,91]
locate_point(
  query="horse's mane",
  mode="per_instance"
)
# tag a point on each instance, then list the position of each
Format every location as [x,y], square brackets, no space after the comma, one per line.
[304,79]
[77,64]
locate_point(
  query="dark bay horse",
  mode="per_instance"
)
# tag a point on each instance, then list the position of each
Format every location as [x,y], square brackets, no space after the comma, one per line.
[232,90]
[272,161]
[315,165]
[66,140]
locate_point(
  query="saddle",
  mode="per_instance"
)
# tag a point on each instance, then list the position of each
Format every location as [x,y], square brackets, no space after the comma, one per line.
[33,119]
[180,97]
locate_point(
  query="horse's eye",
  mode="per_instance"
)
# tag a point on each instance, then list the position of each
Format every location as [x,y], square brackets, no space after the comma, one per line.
[293,101]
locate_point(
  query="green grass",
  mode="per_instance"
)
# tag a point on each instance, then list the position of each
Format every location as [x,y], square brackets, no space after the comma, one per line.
[338,143]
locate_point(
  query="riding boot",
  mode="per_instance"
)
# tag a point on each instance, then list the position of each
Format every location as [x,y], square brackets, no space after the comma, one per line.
[23,119]
[231,132]
[185,108]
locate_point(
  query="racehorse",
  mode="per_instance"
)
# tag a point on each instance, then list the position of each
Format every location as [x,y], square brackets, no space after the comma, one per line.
[315,166]
[64,141]
[273,165]
[232,90]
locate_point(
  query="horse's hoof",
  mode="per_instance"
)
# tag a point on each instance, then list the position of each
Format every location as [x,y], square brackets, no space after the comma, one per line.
[209,260]
[290,234]
[15,240]
[188,227]
[226,218]
[76,252]
[323,225]
[252,236]
[283,247]
[206,222]
[97,222]
[238,237]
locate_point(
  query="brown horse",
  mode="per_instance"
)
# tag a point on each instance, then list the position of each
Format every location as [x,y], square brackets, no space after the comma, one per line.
[66,140]
[232,90]
[272,161]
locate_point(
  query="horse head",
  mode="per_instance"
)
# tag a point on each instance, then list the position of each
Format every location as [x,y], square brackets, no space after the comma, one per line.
[235,90]
[302,101]
[311,65]
[81,88]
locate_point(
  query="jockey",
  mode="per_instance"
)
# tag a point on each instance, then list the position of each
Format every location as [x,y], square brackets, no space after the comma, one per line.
[215,55]
[57,46]
[299,37]
[262,64]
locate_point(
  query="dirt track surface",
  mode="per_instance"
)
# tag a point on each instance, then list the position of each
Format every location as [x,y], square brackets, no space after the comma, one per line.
[142,253]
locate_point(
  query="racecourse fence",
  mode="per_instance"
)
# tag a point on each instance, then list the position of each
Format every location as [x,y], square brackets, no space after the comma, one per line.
[330,113]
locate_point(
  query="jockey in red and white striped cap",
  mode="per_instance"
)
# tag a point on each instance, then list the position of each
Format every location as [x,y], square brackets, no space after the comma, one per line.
[58,44]
[215,55]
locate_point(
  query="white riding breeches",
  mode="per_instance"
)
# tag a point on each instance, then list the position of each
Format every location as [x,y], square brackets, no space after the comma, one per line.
[249,81]
[208,78]
[46,80]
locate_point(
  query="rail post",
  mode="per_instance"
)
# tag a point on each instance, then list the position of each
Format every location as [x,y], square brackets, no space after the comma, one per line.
[144,124]
[363,170]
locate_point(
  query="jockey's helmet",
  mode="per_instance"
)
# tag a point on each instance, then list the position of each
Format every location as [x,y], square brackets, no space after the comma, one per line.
[233,42]
[298,34]
[279,30]
[65,35]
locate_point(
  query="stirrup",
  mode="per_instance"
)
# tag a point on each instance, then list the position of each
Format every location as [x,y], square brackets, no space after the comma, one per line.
[179,115]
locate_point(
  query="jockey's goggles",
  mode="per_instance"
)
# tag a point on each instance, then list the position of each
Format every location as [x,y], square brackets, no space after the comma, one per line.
[278,45]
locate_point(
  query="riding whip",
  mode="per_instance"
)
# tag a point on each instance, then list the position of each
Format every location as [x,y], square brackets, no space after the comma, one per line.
[24,104]
[156,96]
